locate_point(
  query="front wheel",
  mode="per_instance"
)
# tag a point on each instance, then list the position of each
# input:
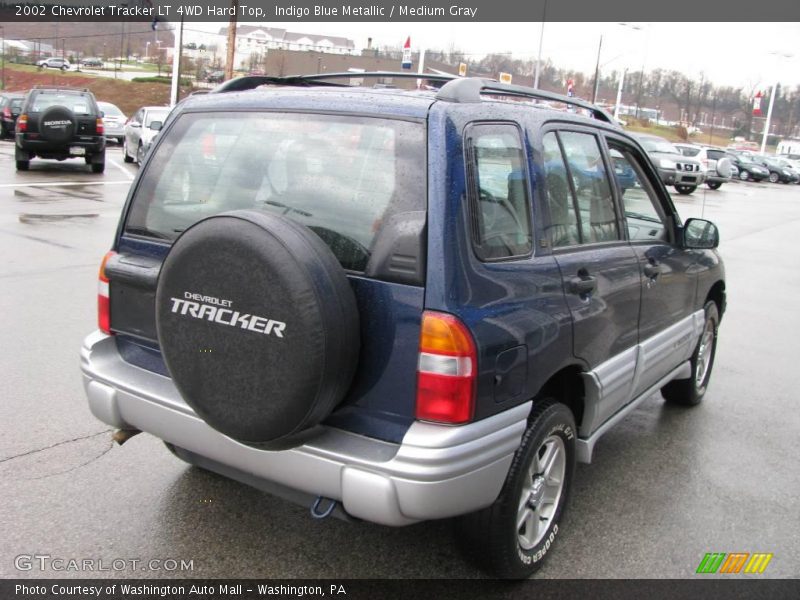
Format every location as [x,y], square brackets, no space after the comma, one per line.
[511,537]
[685,189]
[23,165]
[125,156]
[689,392]
[773,178]
[714,185]
[744,175]
[140,154]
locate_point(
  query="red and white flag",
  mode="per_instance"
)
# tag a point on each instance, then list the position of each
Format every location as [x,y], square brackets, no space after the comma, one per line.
[406,63]
[757,103]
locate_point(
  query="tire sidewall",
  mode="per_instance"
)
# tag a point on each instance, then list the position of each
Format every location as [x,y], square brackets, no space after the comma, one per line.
[556,419]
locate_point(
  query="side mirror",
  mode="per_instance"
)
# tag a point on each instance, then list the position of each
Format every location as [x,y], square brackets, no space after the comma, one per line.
[156,125]
[101,114]
[700,234]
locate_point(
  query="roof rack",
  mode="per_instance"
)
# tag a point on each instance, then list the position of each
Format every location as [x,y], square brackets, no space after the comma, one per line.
[60,88]
[469,89]
[455,89]
[249,82]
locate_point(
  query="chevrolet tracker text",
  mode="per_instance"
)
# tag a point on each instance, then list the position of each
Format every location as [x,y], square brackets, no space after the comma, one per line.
[225,316]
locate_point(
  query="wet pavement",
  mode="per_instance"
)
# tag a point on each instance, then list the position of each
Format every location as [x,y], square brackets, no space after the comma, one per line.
[666,486]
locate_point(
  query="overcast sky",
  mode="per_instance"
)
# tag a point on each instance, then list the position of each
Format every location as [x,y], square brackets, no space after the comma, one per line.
[737,54]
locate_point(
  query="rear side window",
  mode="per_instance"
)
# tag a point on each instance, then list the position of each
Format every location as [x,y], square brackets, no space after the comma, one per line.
[77,103]
[341,176]
[501,222]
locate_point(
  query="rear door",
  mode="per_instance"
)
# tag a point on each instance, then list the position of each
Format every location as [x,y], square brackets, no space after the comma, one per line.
[599,269]
[665,270]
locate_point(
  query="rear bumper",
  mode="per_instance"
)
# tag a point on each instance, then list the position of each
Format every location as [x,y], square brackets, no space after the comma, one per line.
[47,149]
[437,471]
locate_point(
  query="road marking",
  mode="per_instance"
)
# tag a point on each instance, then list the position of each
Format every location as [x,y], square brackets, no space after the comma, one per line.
[120,167]
[62,183]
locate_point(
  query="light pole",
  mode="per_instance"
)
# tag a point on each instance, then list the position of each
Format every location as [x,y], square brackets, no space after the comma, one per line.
[619,93]
[146,51]
[539,56]
[771,103]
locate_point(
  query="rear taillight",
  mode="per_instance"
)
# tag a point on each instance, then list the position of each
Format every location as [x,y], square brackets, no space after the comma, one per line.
[7,112]
[446,371]
[99,127]
[22,123]
[103,303]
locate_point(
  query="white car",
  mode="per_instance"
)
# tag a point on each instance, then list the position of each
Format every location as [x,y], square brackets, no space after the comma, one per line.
[140,130]
[717,166]
[114,120]
[53,63]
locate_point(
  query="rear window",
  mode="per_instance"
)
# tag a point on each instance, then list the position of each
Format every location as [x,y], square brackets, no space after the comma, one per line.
[341,176]
[78,103]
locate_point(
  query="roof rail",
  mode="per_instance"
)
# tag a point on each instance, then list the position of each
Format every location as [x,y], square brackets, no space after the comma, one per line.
[469,89]
[249,82]
[62,88]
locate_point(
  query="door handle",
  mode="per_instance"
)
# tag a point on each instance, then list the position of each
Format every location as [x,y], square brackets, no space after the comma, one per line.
[582,285]
[653,270]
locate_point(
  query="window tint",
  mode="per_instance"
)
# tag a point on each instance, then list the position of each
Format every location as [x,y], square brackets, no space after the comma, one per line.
[343,177]
[562,229]
[77,103]
[643,213]
[499,182]
[589,178]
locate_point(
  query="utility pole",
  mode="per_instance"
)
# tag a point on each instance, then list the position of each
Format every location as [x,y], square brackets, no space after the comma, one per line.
[3,58]
[597,71]
[231,49]
[769,117]
[539,56]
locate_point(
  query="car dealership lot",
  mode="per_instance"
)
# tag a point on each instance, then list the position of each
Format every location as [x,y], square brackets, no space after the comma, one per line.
[665,487]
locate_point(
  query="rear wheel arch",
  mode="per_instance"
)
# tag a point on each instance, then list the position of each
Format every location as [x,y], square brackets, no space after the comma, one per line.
[566,386]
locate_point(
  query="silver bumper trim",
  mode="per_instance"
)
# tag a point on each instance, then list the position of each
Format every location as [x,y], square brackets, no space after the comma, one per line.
[437,471]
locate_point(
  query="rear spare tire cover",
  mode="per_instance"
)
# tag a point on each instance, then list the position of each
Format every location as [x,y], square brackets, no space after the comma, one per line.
[57,124]
[258,326]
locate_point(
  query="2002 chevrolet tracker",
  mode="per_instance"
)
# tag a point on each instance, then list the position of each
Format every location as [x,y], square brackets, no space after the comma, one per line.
[401,305]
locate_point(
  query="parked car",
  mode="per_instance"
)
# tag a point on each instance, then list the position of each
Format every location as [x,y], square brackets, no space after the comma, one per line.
[10,107]
[92,62]
[60,123]
[215,77]
[675,169]
[748,168]
[779,171]
[715,163]
[54,62]
[139,131]
[354,297]
[114,120]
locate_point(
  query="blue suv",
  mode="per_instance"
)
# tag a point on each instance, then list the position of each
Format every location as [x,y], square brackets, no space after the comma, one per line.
[400,305]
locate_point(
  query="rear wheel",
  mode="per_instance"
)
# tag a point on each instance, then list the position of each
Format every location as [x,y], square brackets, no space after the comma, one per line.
[23,165]
[773,177]
[511,537]
[689,392]
[98,167]
[685,189]
[714,185]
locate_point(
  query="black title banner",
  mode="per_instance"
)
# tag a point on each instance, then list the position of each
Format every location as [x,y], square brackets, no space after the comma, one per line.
[393,11]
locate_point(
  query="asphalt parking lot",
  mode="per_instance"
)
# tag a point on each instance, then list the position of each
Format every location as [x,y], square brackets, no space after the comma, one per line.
[666,486]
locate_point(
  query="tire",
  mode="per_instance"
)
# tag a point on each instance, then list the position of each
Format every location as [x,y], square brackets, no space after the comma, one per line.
[23,165]
[125,155]
[491,537]
[689,392]
[140,154]
[98,167]
[744,175]
[714,185]
[774,177]
[685,189]
[276,298]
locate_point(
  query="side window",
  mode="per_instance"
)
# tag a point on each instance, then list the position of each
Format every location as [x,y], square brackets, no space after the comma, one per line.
[597,219]
[644,215]
[498,179]
[562,229]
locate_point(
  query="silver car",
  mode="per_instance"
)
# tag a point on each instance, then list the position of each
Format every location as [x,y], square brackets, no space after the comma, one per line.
[140,131]
[113,121]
